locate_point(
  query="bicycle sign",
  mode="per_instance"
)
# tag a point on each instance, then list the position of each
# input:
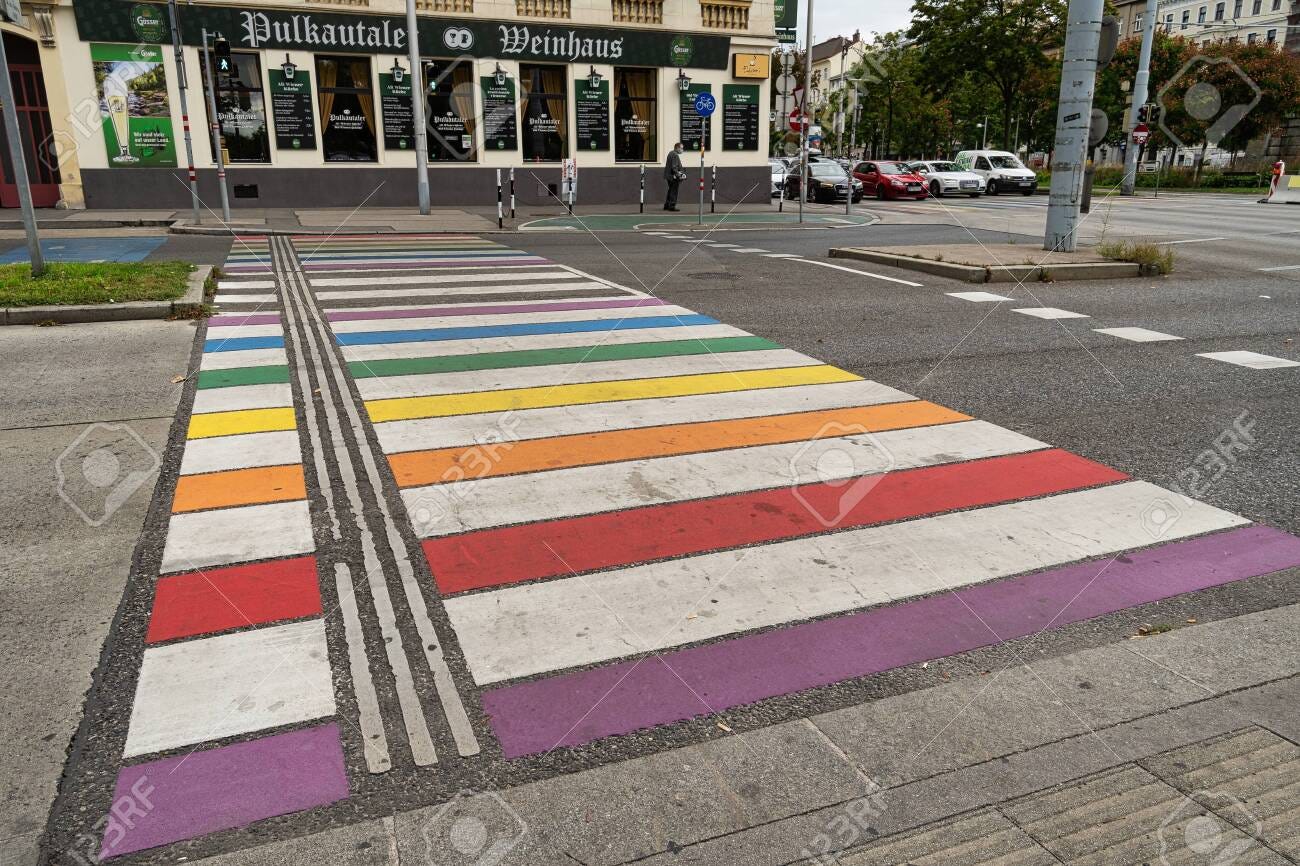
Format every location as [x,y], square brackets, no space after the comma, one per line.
[705,104]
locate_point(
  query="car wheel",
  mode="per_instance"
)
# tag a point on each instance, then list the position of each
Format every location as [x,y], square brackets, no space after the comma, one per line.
[880,193]
[992,188]
[1026,192]
[936,189]
[974,194]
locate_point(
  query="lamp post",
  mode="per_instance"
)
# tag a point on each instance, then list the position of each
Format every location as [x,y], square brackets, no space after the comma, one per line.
[417,110]
[807,120]
[594,79]
[217,155]
[182,86]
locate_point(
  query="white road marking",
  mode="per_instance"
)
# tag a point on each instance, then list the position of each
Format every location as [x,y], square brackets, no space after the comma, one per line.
[215,687]
[1190,241]
[724,246]
[781,256]
[223,537]
[473,381]
[861,273]
[1283,268]
[1137,335]
[391,279]
[228,300]
[230,332]
[240,397]
[242,358]
[223,453]
[1253,360]
[510,632]
[1050,313]
[420,433]
[748,250]
[245,284]
[506,286]
[978,297]
[564,493]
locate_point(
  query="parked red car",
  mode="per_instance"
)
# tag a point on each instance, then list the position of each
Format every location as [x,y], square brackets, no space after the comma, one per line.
[891,180]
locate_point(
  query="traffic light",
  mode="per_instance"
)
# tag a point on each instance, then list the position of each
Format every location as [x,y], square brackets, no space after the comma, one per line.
[221,47]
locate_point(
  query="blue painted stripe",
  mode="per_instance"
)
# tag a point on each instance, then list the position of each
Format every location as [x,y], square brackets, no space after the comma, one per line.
[235,344]
[369,338]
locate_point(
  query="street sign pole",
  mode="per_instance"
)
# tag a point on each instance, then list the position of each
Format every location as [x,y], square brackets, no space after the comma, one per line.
[182,86]
[19,162]
[1140,84]
[705,105]
[216,129]
[807,114]
[417,109]
[1073,122]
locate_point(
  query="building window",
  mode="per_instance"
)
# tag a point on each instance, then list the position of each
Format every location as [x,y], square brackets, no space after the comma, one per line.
[635,113]
[241,110]
[1256,7]
[1236,9]
[1200,16]
[1252,38]
[347,109]
[1272,37]
[1137,22]
[1277,4]
[546,112]
[449,101]
[1218,11]
[1187,16]
[1169,23]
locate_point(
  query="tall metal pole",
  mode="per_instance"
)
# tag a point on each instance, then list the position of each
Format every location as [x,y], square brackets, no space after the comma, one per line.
[807,111]
[181,85]
[216,129]
[1140,84]
[417,108]
[1073,119]
[19,160]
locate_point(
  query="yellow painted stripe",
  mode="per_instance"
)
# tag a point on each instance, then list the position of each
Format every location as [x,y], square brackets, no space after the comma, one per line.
[404,408]
[243,421]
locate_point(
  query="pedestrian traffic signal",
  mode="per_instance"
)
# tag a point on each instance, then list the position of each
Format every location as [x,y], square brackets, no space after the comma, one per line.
[222,49]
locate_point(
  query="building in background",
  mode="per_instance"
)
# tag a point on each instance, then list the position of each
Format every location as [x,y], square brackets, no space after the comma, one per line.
[314,108]
[1207,21]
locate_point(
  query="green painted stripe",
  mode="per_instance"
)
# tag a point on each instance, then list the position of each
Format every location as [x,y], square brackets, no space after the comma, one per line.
[274,374]
[541,357]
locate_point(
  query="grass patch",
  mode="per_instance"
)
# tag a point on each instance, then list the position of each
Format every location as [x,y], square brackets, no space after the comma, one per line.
[93,283]
[1150,256]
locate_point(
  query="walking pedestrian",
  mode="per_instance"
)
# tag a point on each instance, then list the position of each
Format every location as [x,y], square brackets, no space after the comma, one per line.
[674,173]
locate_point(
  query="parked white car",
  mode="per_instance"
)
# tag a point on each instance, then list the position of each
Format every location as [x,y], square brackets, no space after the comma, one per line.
[1002,171]
[780,169]
[947,178]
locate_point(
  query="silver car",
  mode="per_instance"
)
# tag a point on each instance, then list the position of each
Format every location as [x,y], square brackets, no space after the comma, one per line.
[948,178]
[780,169]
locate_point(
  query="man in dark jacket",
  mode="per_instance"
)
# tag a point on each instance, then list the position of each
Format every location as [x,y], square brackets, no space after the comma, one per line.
[674,174]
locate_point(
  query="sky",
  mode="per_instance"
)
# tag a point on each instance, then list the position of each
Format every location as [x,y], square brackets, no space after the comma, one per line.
[842,17]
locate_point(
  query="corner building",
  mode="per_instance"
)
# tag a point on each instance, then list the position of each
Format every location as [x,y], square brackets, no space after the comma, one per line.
[314,102]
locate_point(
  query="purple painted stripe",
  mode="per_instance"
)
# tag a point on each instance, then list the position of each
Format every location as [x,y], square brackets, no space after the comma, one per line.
[186,796]
[488,309]
[541,715]
[252,319]
[371,266]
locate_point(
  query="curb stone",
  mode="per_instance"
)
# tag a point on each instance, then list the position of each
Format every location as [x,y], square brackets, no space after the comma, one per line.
[70,314]
[1002,274]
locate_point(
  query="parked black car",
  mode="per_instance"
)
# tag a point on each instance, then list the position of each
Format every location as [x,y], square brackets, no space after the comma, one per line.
[828,183]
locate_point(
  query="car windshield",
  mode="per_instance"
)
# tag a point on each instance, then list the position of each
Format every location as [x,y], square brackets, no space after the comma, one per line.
[1005,162]
[892,168]
[944,166]
[826,169]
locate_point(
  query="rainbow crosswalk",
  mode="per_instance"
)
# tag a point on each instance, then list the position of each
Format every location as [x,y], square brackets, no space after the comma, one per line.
[623,513]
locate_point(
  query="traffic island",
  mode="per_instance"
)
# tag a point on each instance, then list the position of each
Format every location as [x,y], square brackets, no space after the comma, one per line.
[997,263]
[76,292]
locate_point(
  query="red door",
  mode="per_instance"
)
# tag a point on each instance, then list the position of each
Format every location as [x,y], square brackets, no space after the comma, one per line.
[34,129]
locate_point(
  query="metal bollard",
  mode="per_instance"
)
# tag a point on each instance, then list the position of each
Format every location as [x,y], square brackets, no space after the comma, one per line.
[713,192]
[512,192]
[501,219]
[643,188]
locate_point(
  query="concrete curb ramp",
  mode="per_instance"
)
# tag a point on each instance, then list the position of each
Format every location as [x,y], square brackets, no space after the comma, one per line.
[70,314]
[1000,274]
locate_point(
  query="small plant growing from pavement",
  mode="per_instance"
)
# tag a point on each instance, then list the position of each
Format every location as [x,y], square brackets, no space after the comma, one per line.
[1150,256]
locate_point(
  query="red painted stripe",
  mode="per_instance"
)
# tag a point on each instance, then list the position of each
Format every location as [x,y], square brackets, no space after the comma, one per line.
[495,557]
[203,602]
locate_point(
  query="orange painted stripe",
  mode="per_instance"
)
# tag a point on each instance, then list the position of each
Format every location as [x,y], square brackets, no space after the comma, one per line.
[437,466]
[239,487]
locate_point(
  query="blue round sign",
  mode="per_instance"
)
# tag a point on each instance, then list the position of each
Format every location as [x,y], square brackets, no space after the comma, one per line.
[705,104]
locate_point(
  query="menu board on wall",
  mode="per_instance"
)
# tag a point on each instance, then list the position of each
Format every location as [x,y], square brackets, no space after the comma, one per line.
[593,116]
[740,116]
[692,125]
[500,123]
[295,125]
[133,106]
[399,116]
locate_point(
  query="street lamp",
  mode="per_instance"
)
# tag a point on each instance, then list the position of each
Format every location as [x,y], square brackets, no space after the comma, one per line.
[288,68]
[500,76]
[683,82]
[594,79]
[398,72]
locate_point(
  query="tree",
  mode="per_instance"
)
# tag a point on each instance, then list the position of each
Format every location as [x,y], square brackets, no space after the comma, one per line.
[1001,42]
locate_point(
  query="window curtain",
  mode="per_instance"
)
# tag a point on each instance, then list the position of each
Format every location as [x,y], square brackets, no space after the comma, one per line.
[366,96]
[553,85]
[328,73]
[462,97]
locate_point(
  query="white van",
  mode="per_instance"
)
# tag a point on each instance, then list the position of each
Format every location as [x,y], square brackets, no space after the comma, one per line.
[1002,171]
